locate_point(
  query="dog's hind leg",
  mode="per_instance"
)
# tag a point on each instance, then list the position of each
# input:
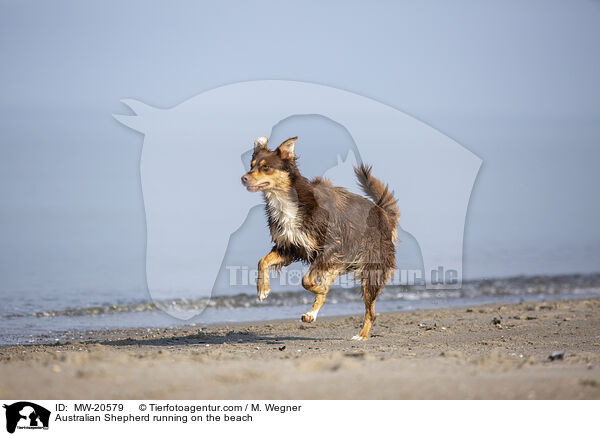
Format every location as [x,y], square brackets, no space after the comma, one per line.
[318,282]
[373,282]
[368,322]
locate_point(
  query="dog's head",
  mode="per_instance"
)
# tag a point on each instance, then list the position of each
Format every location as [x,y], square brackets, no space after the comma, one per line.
[270,170]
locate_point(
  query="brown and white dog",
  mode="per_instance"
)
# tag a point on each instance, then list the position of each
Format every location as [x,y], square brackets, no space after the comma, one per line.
[333,230]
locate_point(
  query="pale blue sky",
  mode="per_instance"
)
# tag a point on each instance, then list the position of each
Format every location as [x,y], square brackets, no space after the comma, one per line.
[515,82]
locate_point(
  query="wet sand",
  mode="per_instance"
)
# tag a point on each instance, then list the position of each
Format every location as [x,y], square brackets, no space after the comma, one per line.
[484,352]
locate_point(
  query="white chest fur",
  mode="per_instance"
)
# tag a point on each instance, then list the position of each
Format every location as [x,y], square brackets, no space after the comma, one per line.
[283,210]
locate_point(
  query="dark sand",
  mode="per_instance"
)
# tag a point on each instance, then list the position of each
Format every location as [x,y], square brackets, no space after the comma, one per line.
[481,352]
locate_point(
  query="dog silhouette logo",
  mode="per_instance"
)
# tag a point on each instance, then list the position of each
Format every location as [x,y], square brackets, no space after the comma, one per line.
[26,415]
[190,165]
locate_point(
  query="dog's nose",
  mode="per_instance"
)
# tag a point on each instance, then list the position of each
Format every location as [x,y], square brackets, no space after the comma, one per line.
[244,178]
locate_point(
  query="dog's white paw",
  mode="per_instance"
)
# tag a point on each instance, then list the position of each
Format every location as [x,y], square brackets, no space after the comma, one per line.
[357,338]
[263,294]
[308,317]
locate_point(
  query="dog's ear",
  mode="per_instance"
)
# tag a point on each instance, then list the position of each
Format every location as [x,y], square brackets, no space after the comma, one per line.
[286,149]
[260,143]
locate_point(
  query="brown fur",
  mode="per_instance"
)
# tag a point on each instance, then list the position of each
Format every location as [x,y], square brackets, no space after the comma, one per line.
[335,231]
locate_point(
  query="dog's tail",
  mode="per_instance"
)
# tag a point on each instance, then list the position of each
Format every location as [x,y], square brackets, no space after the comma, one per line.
[379,193]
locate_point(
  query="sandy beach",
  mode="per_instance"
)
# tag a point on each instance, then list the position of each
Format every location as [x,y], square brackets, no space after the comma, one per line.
[525,351]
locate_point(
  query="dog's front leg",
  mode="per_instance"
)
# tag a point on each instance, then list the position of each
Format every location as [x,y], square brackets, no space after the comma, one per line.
[262,281]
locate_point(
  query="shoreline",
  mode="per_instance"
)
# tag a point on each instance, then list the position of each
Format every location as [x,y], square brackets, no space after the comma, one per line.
[63,321]
[490,351]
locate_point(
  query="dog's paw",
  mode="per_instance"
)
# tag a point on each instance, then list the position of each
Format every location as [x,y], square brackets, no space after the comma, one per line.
[307,317]
[358,338]
[263,293]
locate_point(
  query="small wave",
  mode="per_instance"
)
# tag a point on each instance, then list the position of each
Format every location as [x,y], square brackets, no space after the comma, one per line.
[564,285]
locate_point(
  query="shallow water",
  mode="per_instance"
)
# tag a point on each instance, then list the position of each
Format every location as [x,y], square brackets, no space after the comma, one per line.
[20,322]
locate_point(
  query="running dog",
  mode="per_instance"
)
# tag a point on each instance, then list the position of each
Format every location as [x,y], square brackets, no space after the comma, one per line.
[328,227]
